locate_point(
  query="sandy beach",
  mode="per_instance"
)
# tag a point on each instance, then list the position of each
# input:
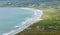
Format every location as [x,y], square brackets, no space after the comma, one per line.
[37,16]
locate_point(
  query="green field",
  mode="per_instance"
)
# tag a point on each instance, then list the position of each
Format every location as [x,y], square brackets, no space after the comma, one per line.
[50,25]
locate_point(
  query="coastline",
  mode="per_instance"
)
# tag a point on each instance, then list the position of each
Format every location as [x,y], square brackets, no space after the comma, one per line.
[37,16]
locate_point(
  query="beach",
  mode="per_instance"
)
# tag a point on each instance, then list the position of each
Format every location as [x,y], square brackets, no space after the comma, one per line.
[37,17]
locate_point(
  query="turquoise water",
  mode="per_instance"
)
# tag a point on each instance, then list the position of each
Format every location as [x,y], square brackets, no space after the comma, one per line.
[10,17]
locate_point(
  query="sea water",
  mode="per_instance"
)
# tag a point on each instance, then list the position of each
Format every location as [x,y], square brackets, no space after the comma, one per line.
[11,17]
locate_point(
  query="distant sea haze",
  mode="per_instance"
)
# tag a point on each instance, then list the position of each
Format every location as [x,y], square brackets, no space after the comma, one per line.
[25,1]
[12,17]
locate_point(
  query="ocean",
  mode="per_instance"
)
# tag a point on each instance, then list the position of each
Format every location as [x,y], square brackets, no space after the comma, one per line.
[12,17]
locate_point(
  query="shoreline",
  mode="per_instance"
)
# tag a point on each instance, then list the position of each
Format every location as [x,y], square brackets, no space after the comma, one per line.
[37,16]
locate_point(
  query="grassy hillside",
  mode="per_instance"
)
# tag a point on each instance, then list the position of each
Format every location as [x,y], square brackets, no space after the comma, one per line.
[50,25]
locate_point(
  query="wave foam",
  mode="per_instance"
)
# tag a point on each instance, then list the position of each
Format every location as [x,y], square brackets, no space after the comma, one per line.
[37,16]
